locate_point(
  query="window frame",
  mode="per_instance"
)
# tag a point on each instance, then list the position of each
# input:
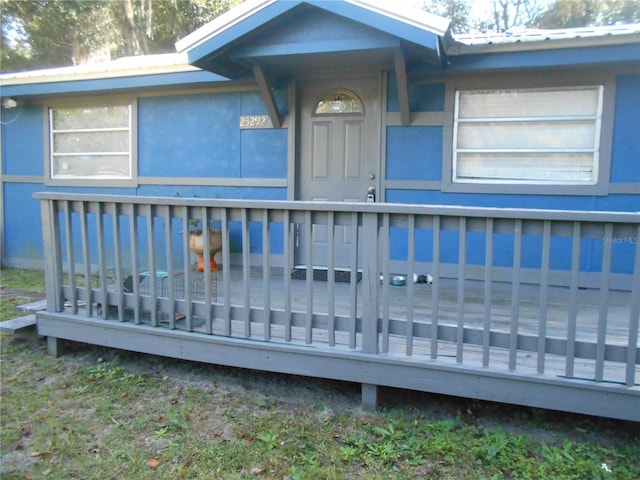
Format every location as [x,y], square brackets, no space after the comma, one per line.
[532,187]
[128,101]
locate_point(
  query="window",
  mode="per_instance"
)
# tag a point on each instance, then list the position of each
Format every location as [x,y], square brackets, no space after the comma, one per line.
[92,142]
[339,102]
[527,136]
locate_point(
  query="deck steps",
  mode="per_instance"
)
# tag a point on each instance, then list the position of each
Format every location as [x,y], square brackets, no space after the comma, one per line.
[32,307]
[19,324]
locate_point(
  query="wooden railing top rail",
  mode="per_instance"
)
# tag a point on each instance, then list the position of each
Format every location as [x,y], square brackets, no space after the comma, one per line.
[358,207]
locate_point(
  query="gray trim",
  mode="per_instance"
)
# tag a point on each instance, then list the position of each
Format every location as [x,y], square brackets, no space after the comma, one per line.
[403,89]
[624,188]
[22,179]
[522,80]
[413,185]
[418,119]
[384,123]
[267,95]
[190,181]
[292,141]
[215,181]
[91,101]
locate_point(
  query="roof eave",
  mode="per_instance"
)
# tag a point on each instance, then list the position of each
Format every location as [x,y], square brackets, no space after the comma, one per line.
[127,67]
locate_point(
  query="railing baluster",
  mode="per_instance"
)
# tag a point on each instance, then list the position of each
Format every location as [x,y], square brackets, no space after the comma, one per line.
[151,252]
[573,300]
[411,257]
[634,316]
[462,260]
[246,273]
[86,258]
[331,278]
[171,278]
[435,288]
[266,273]
[206,275]
[226,271]
[488,287]
[102,265]
[133,232]
[71,263]
[605,277]
[515,294]
[370,281]
[288,238]
[544,297]
[186,268]
[386,256]
[353,314]
[117,247]
[309,280]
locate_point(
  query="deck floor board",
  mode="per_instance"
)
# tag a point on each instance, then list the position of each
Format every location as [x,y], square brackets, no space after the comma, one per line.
[618,314]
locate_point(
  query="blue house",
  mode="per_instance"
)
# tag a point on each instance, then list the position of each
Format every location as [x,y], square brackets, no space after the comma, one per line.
[342,136]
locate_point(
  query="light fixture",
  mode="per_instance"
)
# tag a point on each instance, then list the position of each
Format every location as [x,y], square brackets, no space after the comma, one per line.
[9,103]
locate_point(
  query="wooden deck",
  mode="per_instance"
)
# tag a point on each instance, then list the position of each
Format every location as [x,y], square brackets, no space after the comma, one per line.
[556,326]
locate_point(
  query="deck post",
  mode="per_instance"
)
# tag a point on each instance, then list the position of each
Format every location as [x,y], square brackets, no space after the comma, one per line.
[55,346]
[369,397]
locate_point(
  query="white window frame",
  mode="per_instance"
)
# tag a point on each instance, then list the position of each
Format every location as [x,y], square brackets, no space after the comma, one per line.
[92,180]
[595,120]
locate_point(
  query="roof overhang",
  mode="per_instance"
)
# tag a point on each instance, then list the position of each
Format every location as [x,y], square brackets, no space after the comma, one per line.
[274,40]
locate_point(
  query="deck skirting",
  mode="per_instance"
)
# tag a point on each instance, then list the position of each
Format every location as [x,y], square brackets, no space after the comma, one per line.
[540,390]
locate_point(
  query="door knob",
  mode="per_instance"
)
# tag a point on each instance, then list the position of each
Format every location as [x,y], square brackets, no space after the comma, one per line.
[371,194]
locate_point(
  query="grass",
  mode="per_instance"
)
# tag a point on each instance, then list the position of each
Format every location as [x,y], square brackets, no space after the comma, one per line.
[104,414]
[19,287]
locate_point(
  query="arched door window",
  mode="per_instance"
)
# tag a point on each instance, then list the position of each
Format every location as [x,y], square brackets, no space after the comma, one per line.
[338,102]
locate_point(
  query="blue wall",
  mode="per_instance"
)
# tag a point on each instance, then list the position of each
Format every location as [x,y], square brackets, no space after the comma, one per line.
[198,135]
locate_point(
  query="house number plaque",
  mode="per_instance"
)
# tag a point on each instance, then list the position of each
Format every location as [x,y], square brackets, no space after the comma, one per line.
[255,121]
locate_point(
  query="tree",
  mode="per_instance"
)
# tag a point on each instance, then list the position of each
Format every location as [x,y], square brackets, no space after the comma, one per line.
[584,13]
[48,33]
[511,13]
[455,10]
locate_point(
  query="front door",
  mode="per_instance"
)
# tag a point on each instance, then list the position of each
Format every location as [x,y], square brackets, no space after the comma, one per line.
[339,155]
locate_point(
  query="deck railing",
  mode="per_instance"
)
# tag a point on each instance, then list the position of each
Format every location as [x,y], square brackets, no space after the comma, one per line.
[529,292]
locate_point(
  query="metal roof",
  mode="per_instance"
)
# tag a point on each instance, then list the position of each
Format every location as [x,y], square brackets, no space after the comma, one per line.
[121,67]
[517,39]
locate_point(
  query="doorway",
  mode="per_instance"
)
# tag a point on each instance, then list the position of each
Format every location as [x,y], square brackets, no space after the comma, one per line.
[339,153]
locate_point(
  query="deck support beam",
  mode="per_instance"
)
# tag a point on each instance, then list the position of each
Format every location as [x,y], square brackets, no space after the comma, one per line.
[55,346]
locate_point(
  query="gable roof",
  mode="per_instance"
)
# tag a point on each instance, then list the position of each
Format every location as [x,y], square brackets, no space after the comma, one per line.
[230,44]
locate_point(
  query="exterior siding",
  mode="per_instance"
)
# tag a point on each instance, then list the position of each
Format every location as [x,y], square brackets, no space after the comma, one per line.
[183,136]
[625,166]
